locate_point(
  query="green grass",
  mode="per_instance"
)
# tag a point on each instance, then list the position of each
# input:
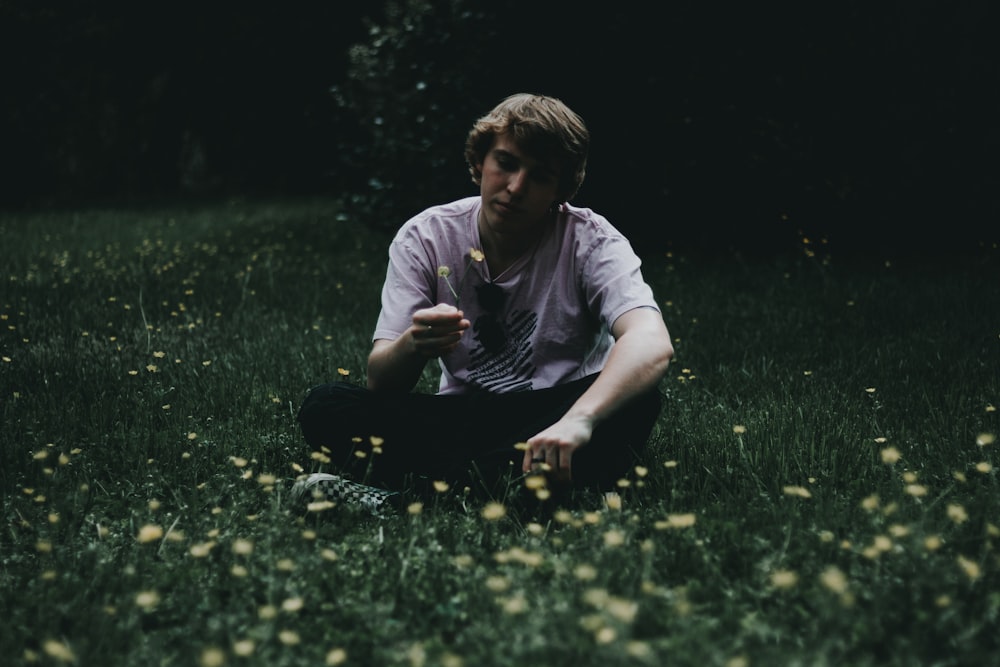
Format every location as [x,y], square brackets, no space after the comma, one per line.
[153,361]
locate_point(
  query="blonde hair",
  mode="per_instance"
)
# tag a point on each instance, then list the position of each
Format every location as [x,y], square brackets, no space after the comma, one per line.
[543,127]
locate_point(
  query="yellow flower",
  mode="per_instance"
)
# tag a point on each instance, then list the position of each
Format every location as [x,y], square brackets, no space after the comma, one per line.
[336,656]
[292,605]
[834,579]
[147,599]
[213,657]
[444,271]
[243,547]
[984,439]
[970,567]
[614,538]
[676,521]
[476,255]
[289,637]
[957,513]
[494,511]
[149,533]
[58,651]
[890,455]
[739,429]
[784,579]
[244,647]
[800,491]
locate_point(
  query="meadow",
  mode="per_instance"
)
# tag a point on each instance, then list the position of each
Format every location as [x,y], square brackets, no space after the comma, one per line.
[821,488]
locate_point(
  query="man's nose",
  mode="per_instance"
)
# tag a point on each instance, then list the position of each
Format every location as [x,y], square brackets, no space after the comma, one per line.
[518,181]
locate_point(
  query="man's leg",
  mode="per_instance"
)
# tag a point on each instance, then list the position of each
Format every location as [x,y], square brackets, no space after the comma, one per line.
[459,438]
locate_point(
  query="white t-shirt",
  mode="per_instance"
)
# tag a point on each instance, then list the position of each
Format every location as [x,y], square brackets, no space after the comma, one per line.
[545,320]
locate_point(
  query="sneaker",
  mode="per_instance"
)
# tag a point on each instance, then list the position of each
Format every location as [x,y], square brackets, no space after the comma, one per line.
[321,490]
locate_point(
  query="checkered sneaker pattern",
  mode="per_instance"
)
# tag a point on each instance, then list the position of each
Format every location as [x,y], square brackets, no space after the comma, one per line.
[310,491]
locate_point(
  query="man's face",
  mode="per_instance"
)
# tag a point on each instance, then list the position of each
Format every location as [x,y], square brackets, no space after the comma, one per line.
[518,190]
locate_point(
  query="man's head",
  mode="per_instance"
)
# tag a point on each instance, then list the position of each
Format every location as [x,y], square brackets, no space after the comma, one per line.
[542,127]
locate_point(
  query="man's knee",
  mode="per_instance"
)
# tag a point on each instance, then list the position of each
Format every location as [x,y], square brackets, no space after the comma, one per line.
[327,405]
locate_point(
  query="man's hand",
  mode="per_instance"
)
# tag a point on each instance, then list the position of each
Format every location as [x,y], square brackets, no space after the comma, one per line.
[436,331]
[554,446]
[396,365]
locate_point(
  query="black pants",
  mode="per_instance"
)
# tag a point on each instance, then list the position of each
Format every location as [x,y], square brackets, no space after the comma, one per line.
[464,439]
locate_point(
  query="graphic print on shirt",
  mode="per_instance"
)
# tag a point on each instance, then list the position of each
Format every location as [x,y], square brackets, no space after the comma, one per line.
[501,361]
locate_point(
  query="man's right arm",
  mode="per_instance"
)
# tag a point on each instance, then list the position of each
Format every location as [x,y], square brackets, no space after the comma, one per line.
[396,365]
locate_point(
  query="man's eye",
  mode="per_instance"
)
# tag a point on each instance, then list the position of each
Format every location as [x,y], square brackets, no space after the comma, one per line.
[507,164]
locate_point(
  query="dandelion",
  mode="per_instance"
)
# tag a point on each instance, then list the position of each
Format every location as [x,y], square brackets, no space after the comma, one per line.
[871,503]
[916,490]
[984,439]
[213,657]
[670,464]
[494,511]
[463,561]
[984,467]
[739,429]
[675,521]
[441,487]
[957,513]
[800,491]
[244,647]
[289,637]
[882,544]
[890,455]
[202,549]
[515,605]
[784,579]
[415,508]
[242,547]
[149,533]
[933,543]
[613,501]
[475,255]
[535,528]
[834,579]
[335,656]
[58,651]
[969,567]
[638,649]
[497,583]
[614,538]
[535,482]
[147,599]
[292,605]
[605,635]
[585,572]
[897,530]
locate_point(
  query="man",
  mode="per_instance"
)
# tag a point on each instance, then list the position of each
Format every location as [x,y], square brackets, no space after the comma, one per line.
[549,341]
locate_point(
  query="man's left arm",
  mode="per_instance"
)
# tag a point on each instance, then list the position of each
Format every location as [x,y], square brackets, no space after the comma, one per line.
[637,362]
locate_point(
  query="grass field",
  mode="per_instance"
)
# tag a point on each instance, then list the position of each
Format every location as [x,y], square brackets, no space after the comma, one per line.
[821,489]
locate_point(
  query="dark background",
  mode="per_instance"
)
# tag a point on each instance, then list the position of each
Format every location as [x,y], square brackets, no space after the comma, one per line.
[870,124]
